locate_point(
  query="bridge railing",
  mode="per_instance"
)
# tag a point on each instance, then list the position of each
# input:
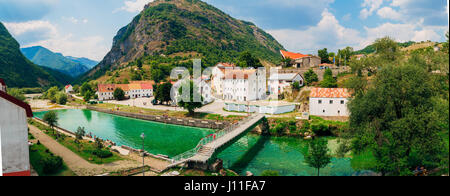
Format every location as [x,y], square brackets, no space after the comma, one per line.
[208,139]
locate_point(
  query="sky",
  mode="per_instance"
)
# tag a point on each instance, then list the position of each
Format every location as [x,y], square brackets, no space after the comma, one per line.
[85,28]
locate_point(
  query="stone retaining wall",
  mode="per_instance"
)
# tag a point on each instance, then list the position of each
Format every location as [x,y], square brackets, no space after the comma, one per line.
[191,122]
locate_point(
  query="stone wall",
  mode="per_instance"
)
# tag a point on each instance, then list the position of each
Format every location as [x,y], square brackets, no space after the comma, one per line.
[191,122]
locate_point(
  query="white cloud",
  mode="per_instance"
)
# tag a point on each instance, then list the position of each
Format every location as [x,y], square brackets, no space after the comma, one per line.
[134,6]
[328,33]
[370,6]
[18,29]
[389,13]
[75,20]
[43,33]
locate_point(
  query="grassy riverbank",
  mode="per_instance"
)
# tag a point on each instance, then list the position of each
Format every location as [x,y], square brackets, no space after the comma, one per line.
[83,149]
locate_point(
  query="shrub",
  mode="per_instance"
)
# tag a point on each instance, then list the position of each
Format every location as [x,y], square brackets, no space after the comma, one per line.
[52,164]
[102,153]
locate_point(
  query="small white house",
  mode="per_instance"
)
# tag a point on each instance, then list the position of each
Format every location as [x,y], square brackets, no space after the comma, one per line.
[68,88]
[279,82]
[14,150]
[329,102]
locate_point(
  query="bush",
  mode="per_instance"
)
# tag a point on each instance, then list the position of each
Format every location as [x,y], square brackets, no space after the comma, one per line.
[102,153]
[61,98]
[321,129]
[52,164]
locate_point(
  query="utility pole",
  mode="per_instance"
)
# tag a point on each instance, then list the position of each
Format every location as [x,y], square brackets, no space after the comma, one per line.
[143,154]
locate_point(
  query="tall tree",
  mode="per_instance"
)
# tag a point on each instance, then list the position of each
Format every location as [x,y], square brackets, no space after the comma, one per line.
[51,118]
[119,94]
[324,56]
[163,92]
[318,156]
[187,101]
[396,119]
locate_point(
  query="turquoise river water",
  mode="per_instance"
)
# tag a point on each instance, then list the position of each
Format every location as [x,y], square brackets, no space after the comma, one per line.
[251,153]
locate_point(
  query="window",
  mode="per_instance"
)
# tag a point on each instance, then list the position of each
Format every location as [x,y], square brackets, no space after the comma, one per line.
[323,111]
[342,102]
[320,101]
[331,101]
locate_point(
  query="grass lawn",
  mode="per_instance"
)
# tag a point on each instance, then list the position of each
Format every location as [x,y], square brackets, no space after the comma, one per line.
[84,149]
[40,152]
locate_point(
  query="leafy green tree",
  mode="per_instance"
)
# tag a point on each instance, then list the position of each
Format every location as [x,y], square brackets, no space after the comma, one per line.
[51,94]
[311,77]
[88,95]
[61,98]
[17,93]
[445,44]
[344,56]
[139,64]
[318,156]
[324,56]
[387,48]
[189,105]
[328,80]
[51,118]
[246,59]
[119,94]
[163,92]
[80,133]
[85,88]
[296,86]
[397,119]
[287,62]
[76,88]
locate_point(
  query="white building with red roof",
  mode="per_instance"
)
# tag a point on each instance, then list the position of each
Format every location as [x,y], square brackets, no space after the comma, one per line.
[136,89]
[329,102]
[14,150]
[68,88]
[301,60]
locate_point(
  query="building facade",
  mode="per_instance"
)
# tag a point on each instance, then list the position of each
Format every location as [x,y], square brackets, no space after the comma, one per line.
[244,85]
[301,60]
[218,74]
[136,89]
[278,83]
[329,102]
[14,150]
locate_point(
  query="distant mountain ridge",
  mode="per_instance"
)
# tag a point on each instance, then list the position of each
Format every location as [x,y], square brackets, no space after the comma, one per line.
[46,58]
[177,28]
[16,69]
[84,61]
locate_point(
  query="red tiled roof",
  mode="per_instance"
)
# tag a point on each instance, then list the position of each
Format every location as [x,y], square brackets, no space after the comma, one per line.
[17,102]
[292,55]
[330,93]
[67,86]
[104,88]
[147,86]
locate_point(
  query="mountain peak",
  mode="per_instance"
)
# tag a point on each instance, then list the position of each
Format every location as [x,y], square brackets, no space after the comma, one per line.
[187,28]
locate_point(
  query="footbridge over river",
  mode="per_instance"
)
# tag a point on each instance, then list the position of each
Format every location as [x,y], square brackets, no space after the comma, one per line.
[215,143]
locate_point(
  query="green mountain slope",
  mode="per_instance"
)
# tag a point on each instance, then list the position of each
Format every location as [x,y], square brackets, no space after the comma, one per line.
[18,71]
[46,58]
[180,28]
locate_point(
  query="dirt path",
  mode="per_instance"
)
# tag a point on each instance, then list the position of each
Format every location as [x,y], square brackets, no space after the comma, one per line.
[82,167]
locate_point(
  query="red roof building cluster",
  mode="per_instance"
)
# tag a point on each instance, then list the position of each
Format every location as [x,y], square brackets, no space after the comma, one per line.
[106,88]
[330,93]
